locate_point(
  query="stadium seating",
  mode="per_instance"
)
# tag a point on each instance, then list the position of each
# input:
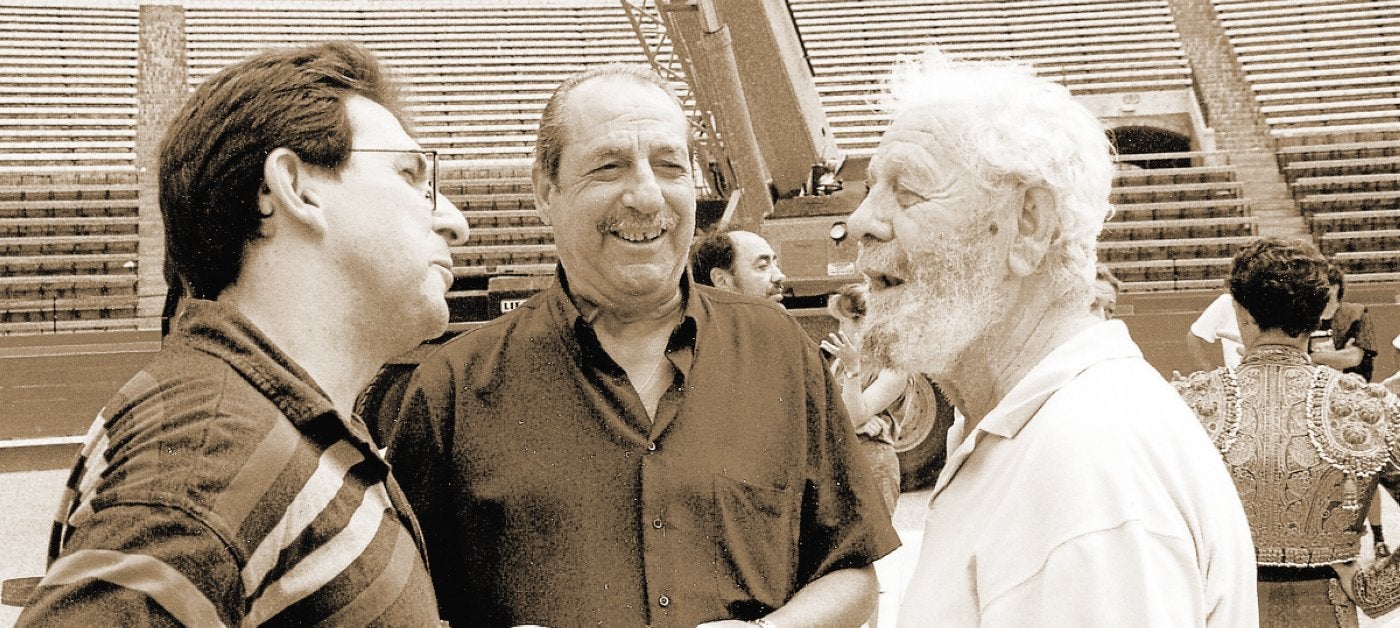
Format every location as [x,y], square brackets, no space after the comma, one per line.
[475,80]
[1323,73]
[67,167]
[1090,46]
[1175,228]
[1318,67]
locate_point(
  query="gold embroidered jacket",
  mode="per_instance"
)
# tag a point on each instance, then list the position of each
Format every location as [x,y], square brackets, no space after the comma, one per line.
[1306,446]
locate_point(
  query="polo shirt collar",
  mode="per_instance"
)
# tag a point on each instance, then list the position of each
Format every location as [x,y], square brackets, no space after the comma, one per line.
[1105,340]
[1101,341]
[222,331]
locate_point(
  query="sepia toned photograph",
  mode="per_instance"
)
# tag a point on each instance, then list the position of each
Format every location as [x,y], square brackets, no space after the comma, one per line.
[700,313]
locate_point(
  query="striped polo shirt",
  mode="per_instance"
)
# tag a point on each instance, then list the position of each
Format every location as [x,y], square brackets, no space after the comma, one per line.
[220,487]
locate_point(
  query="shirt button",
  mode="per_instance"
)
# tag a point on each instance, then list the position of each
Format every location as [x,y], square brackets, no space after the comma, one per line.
[664,601]
[656,523]
[651,446]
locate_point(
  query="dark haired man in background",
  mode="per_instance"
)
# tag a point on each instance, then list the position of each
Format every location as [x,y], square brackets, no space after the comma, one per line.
[738,261]
[229,483]
[1305,444]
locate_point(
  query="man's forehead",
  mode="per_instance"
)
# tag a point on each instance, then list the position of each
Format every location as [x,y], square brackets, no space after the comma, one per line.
[905,142]
[621,99]
[374,126]
[750,245]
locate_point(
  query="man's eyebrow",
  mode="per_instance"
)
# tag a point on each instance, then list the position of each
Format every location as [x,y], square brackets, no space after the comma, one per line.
[606,152]
[672,149]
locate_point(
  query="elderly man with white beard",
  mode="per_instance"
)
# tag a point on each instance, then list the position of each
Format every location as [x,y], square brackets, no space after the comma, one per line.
[1081,491]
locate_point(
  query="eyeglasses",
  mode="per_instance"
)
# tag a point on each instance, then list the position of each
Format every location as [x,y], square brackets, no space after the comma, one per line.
[429,158]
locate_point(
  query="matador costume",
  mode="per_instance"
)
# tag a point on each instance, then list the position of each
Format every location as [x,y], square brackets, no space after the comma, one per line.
[1306,446]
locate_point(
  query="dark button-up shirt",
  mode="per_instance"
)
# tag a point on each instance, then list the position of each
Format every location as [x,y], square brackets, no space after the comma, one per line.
[221,487]
[548,496]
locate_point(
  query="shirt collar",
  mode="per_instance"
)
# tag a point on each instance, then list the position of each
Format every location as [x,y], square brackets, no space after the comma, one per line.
[576,308]
[223,332]
[1105,340]
[577,315]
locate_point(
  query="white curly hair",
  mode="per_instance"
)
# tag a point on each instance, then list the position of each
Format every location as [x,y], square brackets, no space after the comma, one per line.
[1011,126]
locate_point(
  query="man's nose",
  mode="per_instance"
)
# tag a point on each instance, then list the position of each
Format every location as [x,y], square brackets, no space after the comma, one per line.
[778,276]
[643,193]
[865,223]
[449,222]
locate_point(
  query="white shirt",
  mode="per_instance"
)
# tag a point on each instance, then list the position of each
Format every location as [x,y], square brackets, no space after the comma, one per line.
[1090,496]
[1218,322]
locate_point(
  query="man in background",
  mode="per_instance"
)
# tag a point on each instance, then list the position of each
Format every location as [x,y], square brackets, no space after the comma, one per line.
[738,261]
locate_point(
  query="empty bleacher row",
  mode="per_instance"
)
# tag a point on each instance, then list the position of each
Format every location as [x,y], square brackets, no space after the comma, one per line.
[68,251]
[1175,228]
[1325,75]
[474,81]
[68,214]
[1350,194]
[1319,67]
[1090,46]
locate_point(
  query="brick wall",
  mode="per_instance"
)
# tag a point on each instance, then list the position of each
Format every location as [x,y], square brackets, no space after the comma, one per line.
[161,89]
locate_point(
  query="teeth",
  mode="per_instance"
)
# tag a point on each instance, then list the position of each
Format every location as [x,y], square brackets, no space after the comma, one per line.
[638,237]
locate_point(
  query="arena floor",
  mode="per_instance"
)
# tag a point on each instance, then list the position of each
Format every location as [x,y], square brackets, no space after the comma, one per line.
[53,386]
[32,498]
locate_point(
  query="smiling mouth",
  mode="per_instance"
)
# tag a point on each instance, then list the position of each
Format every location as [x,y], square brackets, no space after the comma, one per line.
[639,236]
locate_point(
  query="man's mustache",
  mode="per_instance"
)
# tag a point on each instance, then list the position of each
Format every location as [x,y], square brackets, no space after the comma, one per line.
[632,220]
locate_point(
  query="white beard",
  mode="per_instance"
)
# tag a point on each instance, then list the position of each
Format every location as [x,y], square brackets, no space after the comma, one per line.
[951,297]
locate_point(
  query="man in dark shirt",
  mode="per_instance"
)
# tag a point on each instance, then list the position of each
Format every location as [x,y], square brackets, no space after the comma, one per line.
[228,483]
[1345,339]
[628,448]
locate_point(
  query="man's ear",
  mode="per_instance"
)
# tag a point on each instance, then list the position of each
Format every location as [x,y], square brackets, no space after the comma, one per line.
[290,191]
[722,278]
[544,195]
[1037,225]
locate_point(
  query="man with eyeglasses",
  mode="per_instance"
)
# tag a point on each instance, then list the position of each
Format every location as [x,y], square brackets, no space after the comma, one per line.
[229,482]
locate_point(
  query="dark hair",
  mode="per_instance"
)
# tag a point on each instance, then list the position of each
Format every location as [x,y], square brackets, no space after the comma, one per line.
[848,302]
[712,250]
[1282,283]
[212,156]
[549,140]
[1336,278]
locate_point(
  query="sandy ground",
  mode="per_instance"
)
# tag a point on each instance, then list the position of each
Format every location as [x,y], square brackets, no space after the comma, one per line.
[32,498]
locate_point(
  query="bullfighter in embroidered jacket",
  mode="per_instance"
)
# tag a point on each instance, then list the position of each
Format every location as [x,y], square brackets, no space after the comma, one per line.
[1305,444]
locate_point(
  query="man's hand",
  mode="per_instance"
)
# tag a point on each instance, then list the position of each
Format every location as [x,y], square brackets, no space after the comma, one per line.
[1344,358]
